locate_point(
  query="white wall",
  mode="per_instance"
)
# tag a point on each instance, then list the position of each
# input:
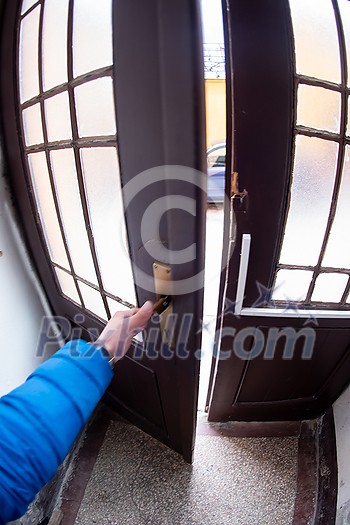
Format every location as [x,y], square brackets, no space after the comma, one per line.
[22,302]
[342,424]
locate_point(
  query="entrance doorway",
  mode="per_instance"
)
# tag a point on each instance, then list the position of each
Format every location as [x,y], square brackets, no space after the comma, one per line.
[215,91]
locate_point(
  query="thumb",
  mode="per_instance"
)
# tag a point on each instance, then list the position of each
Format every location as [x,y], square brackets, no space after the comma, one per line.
[142,316]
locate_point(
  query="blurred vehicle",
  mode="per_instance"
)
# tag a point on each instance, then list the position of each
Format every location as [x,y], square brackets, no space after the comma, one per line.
[216,166]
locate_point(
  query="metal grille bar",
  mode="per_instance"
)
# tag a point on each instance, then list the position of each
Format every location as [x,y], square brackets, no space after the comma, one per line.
[94,286]
[74,122]
[74,82]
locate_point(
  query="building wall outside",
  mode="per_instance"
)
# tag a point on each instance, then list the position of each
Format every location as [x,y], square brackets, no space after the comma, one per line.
[215,93]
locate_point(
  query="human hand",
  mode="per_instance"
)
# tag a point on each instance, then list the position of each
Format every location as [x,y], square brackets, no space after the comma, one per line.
[122,327]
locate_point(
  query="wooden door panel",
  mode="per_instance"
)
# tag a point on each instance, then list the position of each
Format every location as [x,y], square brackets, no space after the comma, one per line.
[160,118]
[295,378]
[160,115]
[137,388]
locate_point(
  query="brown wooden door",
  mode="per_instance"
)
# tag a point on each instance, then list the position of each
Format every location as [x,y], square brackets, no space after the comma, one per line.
[283,346]
[95,98]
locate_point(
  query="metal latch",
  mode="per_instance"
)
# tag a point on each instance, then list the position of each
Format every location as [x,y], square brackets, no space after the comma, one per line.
[161,304]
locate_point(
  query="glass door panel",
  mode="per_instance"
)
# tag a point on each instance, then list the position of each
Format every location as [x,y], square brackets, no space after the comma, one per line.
[57,116]
[329,287]
[26,5]
[71,212]
[318,108]
[32,125]
[67,285]
[344,7]
[316,39]
[104,195]
[317,218]
[337,253]
[92,300]
[95,108]
[92,35]
[70,147]
[54,42]
[29,55]
[311,194]
[46,208]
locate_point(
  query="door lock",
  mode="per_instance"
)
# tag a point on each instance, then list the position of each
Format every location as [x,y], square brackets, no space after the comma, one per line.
[161,304]
[163,287]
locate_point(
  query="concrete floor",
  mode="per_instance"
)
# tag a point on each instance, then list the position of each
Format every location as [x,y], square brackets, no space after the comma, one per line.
[233,481]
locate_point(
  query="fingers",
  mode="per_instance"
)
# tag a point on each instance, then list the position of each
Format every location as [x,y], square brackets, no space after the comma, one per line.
[119,331]
[126,313]
[146,308]
[139,319]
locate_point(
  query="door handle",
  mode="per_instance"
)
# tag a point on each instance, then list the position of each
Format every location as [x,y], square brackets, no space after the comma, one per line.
[161,304]
[243,271]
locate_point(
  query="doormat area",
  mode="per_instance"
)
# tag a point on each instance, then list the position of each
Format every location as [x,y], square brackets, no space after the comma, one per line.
[233,481]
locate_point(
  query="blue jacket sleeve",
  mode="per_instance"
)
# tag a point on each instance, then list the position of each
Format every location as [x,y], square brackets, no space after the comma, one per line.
[40,420]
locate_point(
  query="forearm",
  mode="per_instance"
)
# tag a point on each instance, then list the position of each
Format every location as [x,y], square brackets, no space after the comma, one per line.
[40,420]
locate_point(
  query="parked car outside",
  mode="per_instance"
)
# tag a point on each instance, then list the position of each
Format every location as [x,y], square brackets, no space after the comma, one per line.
[216,166]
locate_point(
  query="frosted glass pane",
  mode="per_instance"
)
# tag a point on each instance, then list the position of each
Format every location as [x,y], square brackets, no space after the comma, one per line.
[92,300]
[329,287]
[318,108]
[55,43]
[103,190]
[27,4]
[114,306]
[316,39]
[67,285]
[28,56]
[46,208]
[344,7]
[313,180]
[292,285]
[348,122]
[338,248]
[63,165]
[33,129]
[57,116]
[95,108]
[92,35]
